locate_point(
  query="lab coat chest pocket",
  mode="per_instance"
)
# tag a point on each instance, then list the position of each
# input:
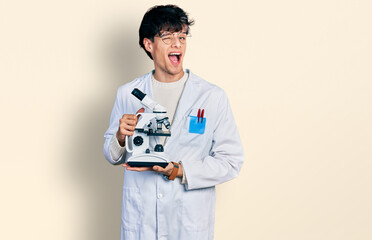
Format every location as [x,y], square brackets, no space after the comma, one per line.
[132,209]
[195,129]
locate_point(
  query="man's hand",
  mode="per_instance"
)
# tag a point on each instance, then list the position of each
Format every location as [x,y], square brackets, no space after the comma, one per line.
[166,171]
[127,124]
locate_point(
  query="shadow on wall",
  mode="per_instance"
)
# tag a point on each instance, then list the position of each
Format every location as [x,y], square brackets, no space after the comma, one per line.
[100,183]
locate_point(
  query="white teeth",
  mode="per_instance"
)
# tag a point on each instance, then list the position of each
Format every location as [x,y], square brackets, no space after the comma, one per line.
[175,54]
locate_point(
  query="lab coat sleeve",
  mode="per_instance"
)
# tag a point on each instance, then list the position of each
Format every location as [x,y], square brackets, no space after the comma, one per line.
[116,114]
[226,155]
[116,150]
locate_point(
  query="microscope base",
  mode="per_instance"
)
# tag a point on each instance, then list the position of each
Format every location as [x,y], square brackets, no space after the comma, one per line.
[147,164]
[147,160]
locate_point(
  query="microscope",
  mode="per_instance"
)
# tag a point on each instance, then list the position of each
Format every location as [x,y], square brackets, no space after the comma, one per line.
[148,128]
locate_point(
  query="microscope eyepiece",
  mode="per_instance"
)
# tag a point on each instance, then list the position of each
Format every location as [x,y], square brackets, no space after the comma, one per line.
[148,102]
[138,94]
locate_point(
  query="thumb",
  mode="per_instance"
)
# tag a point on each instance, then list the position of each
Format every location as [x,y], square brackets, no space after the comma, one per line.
[141,110]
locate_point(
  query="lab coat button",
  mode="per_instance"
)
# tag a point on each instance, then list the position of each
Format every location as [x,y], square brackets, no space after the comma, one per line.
[160,195]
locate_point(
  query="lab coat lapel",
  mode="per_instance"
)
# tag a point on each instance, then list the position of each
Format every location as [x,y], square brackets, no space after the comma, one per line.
[189,96]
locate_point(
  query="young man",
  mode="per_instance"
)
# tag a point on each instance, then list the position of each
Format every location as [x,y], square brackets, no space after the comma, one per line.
[155,205]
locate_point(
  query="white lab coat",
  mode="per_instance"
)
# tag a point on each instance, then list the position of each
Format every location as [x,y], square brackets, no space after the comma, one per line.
[156,208]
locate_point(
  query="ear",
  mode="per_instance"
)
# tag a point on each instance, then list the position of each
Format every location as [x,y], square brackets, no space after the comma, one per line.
[148,44]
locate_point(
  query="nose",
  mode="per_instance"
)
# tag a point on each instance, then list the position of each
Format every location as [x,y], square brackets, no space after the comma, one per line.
[176,42]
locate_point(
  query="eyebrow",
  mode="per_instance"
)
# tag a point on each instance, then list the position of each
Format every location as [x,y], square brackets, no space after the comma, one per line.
[166,32]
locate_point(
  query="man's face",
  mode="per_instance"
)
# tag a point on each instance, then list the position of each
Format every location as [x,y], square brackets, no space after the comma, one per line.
[168,52]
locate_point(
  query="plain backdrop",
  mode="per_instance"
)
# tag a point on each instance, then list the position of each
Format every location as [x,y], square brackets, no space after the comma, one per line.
[299,78]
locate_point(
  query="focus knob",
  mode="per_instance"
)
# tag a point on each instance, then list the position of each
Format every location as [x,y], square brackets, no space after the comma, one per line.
[159,148]
[138,141]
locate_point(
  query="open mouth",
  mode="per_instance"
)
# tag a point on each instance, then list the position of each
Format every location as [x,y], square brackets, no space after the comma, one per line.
[175,58]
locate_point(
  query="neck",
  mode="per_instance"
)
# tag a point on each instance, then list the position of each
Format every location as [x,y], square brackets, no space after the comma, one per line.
[166,77]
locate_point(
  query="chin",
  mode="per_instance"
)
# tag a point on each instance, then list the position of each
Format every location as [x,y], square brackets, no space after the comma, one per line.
[178,71]
[174,70]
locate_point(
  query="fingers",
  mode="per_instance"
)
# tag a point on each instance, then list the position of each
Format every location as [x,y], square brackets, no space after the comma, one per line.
[127,124]
[166,171]
[129,121]
[157,168]
[137,169]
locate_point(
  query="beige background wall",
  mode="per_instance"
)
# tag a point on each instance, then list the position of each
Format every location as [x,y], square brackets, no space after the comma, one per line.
[299,78]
